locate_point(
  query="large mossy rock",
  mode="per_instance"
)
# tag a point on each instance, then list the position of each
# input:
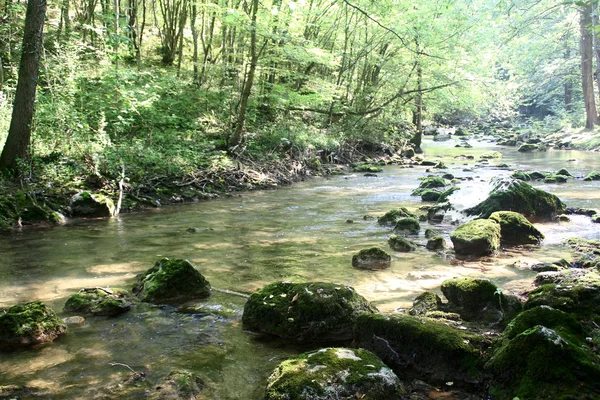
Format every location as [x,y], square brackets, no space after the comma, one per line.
[179,384]
[509,194]
[516,229]
[89,205]
[491,155]
[401,244]
[592,176]
[479,299]
[171,282]
[36,213]
[529,147]
[408,226]
[436,243]
[391,217]
[424,303]
[543,354]
[372,258]
[99,301]
[428,347]
[334,373]
[580,300]
[477,237]
[309,312]
[29,324]
[429,182]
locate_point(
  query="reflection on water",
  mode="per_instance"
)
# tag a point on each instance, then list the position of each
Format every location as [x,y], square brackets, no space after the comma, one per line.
[307,232]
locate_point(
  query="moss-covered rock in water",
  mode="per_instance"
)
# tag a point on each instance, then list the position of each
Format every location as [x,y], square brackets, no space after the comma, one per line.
[424,303]
[588,252]
[509,194]
[430,232]
[542,356]
[429,182]
[552,178]
[445,195]
[581,301]
[516,229]
[529,147]
[436,243]
[592,176]
[391,217]
[367,168]
[29,324]
[537,175]
[99,301]
[171,281]
[86,204]
[564,172]
[479,299]
[477,237]
[521,175]
[310,312]
[179,384]
[422,345]
[440,165]
[401,244]
[596,218]
[430,195]
[40,213]
[490,155]
[371,258]
[334,373]
[408,226]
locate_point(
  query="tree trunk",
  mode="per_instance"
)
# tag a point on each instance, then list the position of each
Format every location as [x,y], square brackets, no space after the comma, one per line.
[587,80]
[568,86]
[19,134]
[418,112]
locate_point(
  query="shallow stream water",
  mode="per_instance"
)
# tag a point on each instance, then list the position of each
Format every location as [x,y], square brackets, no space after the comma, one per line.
[241,243]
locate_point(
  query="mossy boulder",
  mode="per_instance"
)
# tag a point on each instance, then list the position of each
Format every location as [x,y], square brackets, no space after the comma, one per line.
[367,168]
[592,176]
[440,165]
[424,303]
[408,226]
[91,205]
[99,301]
[509,194]
[430,232]
[430,348]
[530,147]
[391,217]
[429,182]
[553,178]
[430,195]
[516,229]
[521,175]
[542,315]
[179,384]
[477,237]
[305,312]
[479,299]
[491,155]
[436,243]
[372,258]
[36,213]
[596,218]
[334,373]
[564,172]
[171,282]
[29,324]
[401,244]
[580,300]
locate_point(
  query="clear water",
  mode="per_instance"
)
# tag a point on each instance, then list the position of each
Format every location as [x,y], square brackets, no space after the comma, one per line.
[298,233]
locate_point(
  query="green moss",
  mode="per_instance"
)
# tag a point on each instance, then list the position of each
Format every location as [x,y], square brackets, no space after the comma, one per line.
[334,373]
[588,252]
[529,147]
[582,301]
[171,281]
[516,229]
[371,258]
[367,168]
[552,178]
[29,324]
[513,195]
[521,175]
[470,294]
[446,194]
[408,225]
[564,172]
[424,303]
[477,237]
[490,155]
[430,195]
[86,204]
[313,311]
[401,244]
[429,182]
[429,233]
[542,315]
[424,345]
[440,165]
[537,175]
[98,301]
[392,216]
[436,243]
[592,176]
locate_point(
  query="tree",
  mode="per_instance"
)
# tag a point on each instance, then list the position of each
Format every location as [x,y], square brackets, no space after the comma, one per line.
[19,134]
[587,78]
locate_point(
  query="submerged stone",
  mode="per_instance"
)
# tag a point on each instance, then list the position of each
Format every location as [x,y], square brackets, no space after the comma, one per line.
[477,237]
[367,168]
[491,155]
[401,244]
[552,178]
[309,312]
[516,229]
[422,345]
[436,243]
[509,194]
[91,205]
[371,258]
[171,281]
[179,384]
[392,216]
[408,226]
[29,324]
[99,301]
[334,373]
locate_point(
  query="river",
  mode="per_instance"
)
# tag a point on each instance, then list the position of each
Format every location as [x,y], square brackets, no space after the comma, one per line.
[306,232]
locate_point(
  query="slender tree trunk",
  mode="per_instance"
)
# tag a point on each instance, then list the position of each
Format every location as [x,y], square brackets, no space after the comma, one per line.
[141,35]
[587,79]
[182,21]
[568,86]
[418,111]
[193,17]
[19,134]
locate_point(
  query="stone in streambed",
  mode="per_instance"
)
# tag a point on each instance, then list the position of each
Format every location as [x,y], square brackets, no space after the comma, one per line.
[29,324]
[91,205]
[436,243]
[477,237]
[372,258]
[516,229]
[401,244]
[179,384]
[99,301]
[391,217]
[408,226]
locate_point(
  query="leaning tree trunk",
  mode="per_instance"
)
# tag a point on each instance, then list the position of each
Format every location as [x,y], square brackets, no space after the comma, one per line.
[587,79]
[19,133]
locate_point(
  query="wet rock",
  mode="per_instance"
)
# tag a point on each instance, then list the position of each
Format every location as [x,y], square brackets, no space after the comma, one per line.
[35,213]
[588,252]
[580,300]
[596,218]
[430,195]
[74,320]
[29,324]
[334,373]
[491,155]
[430,182]
[509,194]
[592,176]
[171,282]
[408,153]
[569,276]
[305,312]
[564,172]
[179,384]
[401,244]
[477,237]
[530,147]
[16,392]
[408,226]
[99,301]
[89,205]
[428,163]
[436,243]
[581,211]
[429,233]
[440,165]
[562,218]
[372,258]
[521,175]
[421,345]
[367,168]
[516,229]
[425,303]
[545,267]
[552,178]
[391,217]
